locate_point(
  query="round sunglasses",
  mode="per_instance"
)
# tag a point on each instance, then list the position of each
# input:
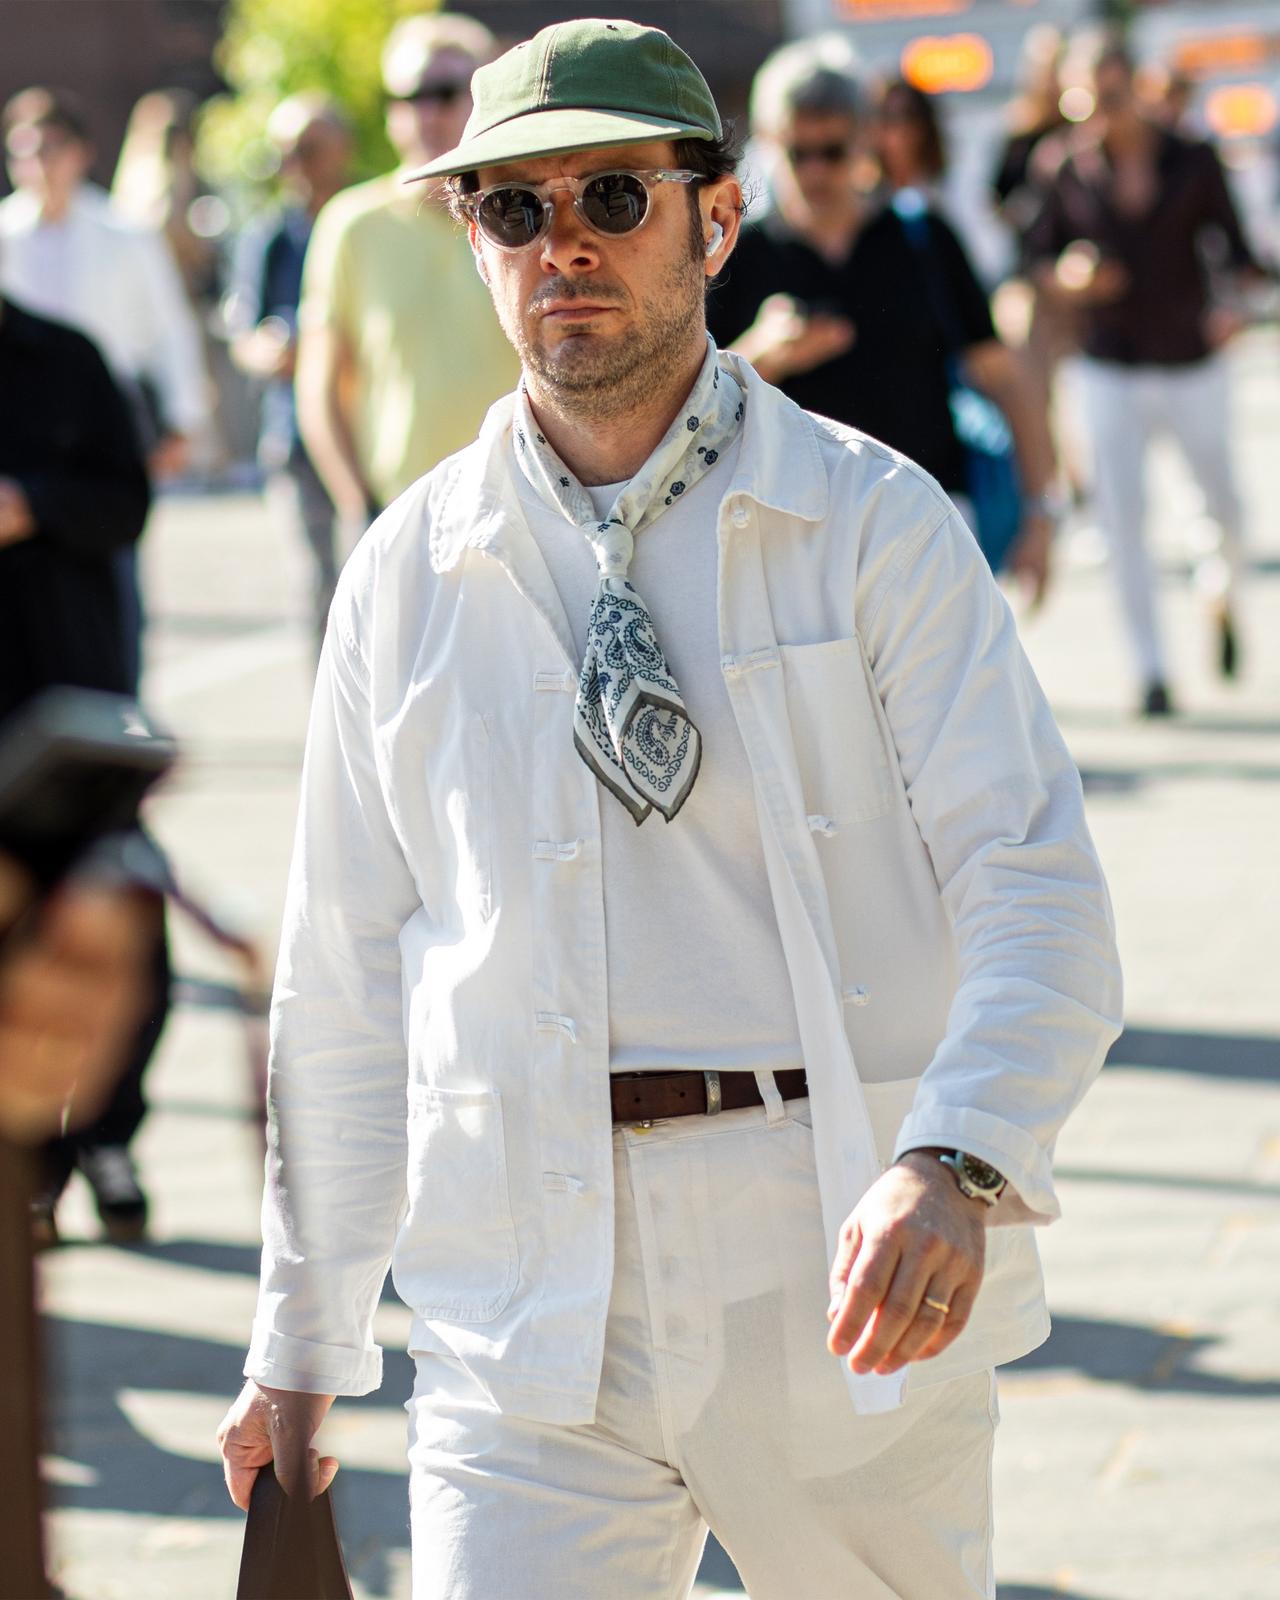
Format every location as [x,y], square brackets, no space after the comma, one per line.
[513,216]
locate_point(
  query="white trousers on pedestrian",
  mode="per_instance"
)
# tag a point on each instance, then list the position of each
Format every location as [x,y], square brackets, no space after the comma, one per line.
[1125,408]
[718,1405]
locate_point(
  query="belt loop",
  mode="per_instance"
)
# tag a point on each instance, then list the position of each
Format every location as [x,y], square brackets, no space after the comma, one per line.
[775,1112]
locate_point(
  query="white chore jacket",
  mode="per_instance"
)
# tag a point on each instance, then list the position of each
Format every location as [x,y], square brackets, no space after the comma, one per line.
[440,1060]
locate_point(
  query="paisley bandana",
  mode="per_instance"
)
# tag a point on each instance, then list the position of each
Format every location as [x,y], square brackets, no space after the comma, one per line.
[629,722]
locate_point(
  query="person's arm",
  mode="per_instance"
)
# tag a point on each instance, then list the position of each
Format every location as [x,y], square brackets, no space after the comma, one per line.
[326,378]
[175,359]
[98,498]
[1220,213]
[993,368]
[260,346]
[750,313]
[998,804]
[336,1169]
[1000,374]
[324,385]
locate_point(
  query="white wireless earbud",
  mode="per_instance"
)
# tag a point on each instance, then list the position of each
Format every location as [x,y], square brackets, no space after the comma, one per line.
[484,276]
[716,239]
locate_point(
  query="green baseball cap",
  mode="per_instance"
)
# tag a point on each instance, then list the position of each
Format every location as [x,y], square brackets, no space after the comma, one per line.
[580,85]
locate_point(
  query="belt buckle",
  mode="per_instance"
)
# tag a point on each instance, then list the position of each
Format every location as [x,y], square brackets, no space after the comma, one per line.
[715,1101]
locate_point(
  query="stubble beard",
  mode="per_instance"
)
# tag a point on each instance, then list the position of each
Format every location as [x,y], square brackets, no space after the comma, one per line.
[602,378]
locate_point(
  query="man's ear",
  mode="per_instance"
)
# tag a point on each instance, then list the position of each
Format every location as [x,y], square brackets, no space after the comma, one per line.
[721,205]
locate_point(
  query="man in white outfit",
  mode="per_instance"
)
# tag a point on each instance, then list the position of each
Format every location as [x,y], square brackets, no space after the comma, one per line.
[693,928]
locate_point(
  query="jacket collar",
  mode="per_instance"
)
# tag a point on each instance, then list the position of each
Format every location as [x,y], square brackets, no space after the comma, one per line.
[779,466]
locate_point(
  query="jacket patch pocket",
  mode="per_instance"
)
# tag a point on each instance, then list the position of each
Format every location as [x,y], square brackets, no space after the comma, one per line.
[844,765]
[456,1258]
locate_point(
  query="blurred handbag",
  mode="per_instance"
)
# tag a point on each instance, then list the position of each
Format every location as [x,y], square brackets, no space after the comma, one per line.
[291,1547]
[982,429]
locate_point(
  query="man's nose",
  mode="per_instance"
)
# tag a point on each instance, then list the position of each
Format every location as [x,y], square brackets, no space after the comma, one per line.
[568,244]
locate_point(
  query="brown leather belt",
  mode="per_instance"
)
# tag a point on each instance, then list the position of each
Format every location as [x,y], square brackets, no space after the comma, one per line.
[654,1096]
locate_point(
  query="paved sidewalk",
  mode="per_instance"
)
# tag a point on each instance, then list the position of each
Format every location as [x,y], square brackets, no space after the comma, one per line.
[1140,1449]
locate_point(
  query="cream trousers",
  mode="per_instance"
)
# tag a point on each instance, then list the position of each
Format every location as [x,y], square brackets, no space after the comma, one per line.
[1125,409]
[719,1406]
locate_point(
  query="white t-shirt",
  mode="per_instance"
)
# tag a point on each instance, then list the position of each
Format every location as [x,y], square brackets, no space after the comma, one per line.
[697,977]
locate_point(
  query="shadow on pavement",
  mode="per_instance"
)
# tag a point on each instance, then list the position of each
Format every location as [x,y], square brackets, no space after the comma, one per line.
[89,1363]
[1128,780]
[1141,1356]
[1036,1591]
[1254,1057]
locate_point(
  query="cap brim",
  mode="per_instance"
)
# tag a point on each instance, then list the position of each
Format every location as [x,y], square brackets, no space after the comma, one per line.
[553,133]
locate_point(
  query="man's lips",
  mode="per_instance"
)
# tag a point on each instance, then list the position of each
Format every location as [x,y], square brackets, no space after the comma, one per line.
[573,311]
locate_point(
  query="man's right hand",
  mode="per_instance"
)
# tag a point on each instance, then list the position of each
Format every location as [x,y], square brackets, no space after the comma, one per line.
[275,1425]
[785,340]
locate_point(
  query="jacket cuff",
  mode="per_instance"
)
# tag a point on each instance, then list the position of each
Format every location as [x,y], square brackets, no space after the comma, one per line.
[1030,1196]
[282,1362]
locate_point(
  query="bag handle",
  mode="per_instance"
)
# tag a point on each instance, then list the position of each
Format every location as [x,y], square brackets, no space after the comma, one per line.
[291,1546]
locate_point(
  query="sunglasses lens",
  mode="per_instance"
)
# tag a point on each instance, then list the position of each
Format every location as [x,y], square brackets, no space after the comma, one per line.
[511,217]
[615,202]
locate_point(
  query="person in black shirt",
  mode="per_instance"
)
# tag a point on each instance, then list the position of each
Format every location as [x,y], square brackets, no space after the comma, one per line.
[1133,220]
[829,297]
[73,492]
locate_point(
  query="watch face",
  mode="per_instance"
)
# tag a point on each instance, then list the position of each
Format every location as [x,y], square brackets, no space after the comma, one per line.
[981,1175]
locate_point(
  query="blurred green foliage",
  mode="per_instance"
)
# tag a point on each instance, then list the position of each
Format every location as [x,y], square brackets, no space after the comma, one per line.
[273,48]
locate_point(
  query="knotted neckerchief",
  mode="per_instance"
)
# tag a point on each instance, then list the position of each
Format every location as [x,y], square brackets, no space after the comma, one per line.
[629,722]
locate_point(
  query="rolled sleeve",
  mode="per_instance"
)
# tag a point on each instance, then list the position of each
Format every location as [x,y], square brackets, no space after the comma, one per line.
[281,1362]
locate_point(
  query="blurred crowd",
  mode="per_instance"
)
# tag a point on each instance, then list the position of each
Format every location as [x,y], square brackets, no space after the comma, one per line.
[139,331]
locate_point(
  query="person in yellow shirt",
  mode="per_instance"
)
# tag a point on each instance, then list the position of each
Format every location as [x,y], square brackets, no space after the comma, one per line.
[399,352]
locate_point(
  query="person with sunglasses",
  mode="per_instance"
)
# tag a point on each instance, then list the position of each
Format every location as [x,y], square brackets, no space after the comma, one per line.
[693,928]
[399,354]
[831,297]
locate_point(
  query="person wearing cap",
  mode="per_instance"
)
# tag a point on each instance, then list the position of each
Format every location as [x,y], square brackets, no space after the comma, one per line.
[399,353]
[693,926]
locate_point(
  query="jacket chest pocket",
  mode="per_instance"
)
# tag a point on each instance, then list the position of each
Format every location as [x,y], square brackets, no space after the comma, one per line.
[456,1258]
[844,765]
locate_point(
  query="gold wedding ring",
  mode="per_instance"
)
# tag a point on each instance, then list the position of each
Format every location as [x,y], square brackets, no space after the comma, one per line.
[937,1305]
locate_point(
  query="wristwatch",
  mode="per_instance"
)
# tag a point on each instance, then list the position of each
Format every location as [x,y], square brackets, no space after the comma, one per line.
[975,1179]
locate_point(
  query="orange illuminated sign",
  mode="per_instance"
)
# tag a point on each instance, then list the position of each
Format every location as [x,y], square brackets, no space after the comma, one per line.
[883,10]
[957,62]
[1222,52]
[1242,111]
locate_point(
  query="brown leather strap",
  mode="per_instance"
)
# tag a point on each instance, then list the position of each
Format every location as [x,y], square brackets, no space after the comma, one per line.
[655,1096]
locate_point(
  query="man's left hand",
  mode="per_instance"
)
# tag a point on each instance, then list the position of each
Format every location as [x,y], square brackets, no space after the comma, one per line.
[16,519]
[912,1238]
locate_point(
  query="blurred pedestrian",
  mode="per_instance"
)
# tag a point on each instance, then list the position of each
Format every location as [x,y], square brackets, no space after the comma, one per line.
[73,492]
[565,1019]
[859,317]
[1132,214]
[67,254]
[1034,116]
[1041,329]
[907,139]
[389,380]
[314,145]
[158,187]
